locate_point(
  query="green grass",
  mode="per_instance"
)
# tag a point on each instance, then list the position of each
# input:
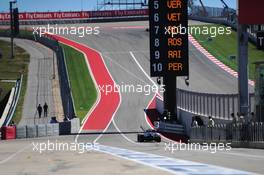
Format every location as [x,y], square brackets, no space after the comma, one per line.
[11,69]
[5,87]
[222,46]
[82,86]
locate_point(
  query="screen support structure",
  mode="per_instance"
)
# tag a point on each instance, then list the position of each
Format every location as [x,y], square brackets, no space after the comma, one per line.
[243,70]
[249,13]
[170,97]
[169,57]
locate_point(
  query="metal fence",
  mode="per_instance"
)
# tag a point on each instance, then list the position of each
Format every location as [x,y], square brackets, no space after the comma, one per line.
[252,132]
[216,105]
[211,11]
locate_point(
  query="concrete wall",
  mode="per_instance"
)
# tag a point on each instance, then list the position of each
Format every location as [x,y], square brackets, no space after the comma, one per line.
[185,117]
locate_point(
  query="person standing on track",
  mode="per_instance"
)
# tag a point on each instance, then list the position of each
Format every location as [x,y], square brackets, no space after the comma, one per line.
[45,107]
[39,109]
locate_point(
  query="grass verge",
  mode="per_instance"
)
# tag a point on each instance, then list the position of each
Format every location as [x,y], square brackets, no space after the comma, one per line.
[82,85]
[11,69]
[223,46]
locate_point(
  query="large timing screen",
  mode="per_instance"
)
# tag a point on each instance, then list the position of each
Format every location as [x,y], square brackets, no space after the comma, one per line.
[168,38]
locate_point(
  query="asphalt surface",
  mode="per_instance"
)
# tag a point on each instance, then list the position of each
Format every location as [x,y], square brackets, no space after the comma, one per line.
[120,46]
[124,50]
[116,40]
[24,157]
[41,87]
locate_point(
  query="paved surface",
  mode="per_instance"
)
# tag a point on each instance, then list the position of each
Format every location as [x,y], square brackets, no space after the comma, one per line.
[122,38]
[41,87]
[26,160]
[117,45]
[122,48]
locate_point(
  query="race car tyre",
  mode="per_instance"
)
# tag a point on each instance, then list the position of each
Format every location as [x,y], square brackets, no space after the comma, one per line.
[140,138]
[158,139]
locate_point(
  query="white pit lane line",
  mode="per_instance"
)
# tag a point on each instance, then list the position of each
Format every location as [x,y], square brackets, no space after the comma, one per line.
[171,165]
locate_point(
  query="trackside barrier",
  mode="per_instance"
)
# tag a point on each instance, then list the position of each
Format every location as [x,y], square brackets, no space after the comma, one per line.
[168,127]
[49,130]
[209,134]
[21,132]
[41,130]
[8,132]
[52,129]
[56,129]
[75,125]
[44,130]
[65,128]
[159,105]
[240,132]
[219,106]
[31,131]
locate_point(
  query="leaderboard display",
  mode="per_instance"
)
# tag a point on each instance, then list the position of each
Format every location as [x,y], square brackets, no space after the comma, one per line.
[168,38]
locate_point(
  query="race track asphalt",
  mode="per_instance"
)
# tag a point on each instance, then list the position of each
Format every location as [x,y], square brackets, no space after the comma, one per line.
[125,46]
[125,51]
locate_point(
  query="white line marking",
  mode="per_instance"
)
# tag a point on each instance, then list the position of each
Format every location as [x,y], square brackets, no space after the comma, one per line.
[124,69]
[145,73]
[14,154]
[157,93]
[174,166]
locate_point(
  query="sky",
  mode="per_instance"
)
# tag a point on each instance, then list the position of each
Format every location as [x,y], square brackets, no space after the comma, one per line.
[77,5]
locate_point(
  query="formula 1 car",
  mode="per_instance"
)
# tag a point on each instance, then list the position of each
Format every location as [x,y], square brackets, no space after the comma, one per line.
[148,136]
